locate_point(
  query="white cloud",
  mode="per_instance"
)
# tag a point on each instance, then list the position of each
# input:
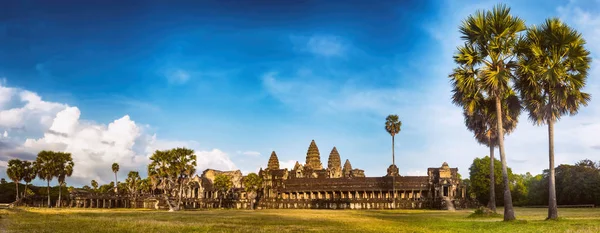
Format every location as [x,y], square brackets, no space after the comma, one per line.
[321,45]
[289,164]
[94,146]
[249,153]
[178,76]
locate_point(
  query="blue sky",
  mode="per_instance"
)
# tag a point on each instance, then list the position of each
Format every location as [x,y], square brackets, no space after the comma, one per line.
[236,80]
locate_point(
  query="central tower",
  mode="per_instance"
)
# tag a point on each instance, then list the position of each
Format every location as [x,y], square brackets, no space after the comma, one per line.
[313,158]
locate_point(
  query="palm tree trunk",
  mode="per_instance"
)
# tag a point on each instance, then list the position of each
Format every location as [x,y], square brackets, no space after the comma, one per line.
[25,191]
[17,194]
[509,212]
[492,201]
[552,207]
[393,175]
[116,189]
[48,189]
[59,195]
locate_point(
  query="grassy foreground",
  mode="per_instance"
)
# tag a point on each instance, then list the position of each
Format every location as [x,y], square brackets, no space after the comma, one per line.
[127,220]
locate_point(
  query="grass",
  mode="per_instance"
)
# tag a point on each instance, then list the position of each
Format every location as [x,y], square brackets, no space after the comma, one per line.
[128,220]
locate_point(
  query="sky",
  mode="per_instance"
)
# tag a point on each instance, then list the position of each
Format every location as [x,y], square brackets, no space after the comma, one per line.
[236,80]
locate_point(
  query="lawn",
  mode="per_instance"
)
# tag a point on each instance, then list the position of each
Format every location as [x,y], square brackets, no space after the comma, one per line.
[127,220]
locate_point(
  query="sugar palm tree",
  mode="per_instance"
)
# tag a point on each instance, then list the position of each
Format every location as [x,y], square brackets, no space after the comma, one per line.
[553,70]
[392,126]
[486,65]
[115,169]
[29,175]
[94,184]
[15,172]
[482,122]
[47,168]
[64,170]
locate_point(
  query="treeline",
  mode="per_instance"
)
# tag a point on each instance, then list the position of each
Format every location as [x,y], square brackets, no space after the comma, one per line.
[169,174]
[577,184]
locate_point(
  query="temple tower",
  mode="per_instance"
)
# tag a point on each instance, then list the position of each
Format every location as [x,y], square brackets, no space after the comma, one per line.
[347,168]
[273,162]
[313,158]
[334,164]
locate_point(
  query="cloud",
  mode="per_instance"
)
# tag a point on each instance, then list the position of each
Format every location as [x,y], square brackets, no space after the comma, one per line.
[178,76]
[289,164]
[94,146]
[5,134]
[320,45]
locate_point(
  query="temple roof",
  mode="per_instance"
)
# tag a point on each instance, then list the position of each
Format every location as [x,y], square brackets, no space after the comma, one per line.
[347,165]
[334,159]
[273,162]
[313,158]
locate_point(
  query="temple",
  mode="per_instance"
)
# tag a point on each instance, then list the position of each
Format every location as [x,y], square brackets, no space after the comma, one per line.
[312,186]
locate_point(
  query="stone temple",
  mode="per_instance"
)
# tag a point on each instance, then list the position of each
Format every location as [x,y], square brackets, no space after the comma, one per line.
[312,186]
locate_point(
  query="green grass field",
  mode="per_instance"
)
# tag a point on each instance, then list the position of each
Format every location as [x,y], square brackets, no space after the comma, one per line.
[127,220]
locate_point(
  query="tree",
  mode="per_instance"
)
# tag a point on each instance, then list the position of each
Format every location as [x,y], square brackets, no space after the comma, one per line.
[15,172]
[392,126]
[223,185]
[486,64]
[94,184]
[479,176]
[64,170]
[252,183]
[29,174]
[482,121]
[553,69]
[145,186]
[115,169]
[170,167]
[132,181]
[47,167]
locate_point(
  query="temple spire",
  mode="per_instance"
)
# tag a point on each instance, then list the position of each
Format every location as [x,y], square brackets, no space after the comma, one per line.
[313,158]
[334,164]
[347,168]
[273,162]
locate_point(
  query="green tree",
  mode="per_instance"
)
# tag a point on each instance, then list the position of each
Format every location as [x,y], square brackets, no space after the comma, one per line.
[479,176]
[393,126]
[94,184]
[47,167]
[482,121]
[64,170]
[133,182]
[553,69]
[252,184]
[115,169]
[15,172]
[29,175]
[170,167]
[486,64]
[223,185]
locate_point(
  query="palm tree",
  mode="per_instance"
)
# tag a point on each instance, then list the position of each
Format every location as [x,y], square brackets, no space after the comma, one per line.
[65,169]
[553,70]
[29,175]
[94,184]
[392,126]
[486,66]
[482,121]
[133,181]
[115,169]
[15,172]
[47,168]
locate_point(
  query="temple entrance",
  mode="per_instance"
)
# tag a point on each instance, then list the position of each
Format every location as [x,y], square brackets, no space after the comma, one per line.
[445,191]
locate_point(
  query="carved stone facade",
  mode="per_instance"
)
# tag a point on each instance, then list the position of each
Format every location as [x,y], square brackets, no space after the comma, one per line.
[312,186]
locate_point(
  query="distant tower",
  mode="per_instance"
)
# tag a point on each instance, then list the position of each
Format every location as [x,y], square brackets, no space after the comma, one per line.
[347,168]
[334,164]
[313,158]
[273,162]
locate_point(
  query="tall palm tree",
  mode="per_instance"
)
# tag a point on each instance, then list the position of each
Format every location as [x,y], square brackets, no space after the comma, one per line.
[29,175]
[47,168]
[94,184]
[482,122]
[65,169]
[15,172]
[553,70]
[133,183]
[486,66]
[115,169]
[392,126]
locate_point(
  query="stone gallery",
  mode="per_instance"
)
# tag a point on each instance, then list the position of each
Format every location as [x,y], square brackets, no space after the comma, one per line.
[310,186]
